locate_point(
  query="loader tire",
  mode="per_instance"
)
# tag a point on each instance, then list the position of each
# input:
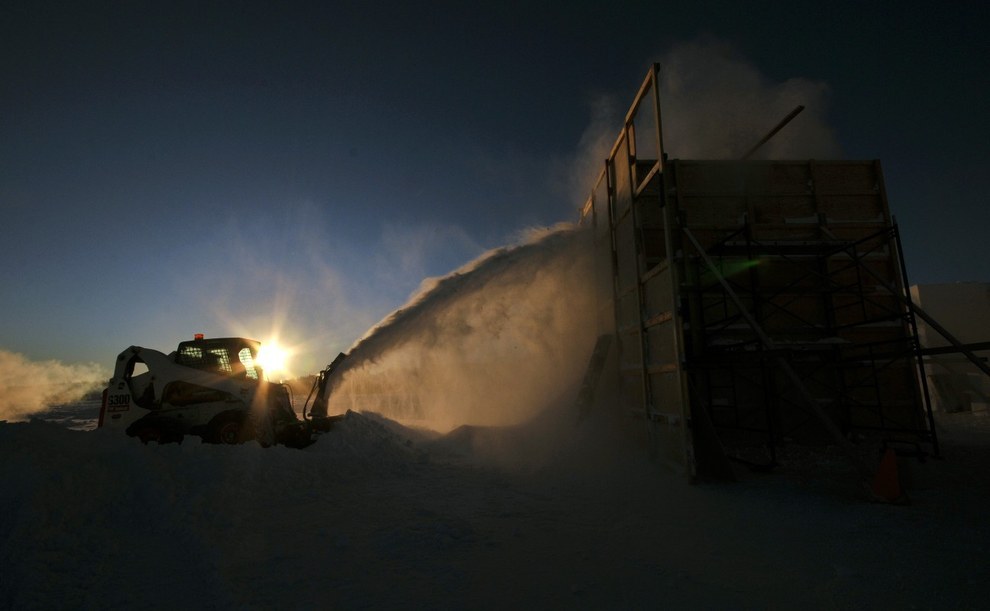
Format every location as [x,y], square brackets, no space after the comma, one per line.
[149,434]
[228,431]
[149,431]
[263,429]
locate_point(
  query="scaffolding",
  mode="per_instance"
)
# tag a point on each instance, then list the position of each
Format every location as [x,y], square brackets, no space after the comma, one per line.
[754,302]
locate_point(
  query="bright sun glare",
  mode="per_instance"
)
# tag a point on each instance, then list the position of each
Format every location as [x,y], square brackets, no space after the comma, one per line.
[274,359]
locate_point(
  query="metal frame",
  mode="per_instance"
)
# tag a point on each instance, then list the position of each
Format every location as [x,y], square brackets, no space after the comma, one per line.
[837,382]
[735,331]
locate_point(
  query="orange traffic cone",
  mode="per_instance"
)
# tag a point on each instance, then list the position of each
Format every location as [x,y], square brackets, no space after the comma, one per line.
[887,484]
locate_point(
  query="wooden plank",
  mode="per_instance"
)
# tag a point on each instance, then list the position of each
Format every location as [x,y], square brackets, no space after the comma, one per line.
[667,368]
[659,319]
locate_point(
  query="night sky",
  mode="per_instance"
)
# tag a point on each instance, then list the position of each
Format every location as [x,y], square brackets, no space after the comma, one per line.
[297,169]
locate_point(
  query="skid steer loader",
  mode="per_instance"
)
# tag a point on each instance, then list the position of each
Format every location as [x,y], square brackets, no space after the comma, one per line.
[211,388]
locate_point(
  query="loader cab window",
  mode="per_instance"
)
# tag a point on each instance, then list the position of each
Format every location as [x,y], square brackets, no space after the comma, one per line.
[226,356]
[247,361]
[216,360]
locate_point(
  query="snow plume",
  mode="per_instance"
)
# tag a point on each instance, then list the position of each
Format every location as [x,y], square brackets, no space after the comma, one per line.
[492,343]
[28,387]
[717,105]
[576,175]
[714,105]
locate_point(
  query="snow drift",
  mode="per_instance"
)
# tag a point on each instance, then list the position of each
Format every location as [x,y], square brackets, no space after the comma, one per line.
[379,516]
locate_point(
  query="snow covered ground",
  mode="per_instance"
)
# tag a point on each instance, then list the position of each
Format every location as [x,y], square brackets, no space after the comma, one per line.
[550,514]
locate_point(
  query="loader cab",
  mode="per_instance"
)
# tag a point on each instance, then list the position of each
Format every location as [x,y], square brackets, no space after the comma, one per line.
[230,356]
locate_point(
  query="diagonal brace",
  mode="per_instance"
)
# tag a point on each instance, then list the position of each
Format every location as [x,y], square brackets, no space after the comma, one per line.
[788,370]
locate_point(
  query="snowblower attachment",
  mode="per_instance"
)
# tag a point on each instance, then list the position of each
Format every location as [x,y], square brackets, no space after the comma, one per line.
[317,418]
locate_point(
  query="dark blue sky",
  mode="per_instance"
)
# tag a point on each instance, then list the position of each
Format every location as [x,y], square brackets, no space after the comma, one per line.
[251,167]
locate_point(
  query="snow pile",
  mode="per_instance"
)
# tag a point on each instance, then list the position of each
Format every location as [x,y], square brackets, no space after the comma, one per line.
[369,447]
[99,519]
